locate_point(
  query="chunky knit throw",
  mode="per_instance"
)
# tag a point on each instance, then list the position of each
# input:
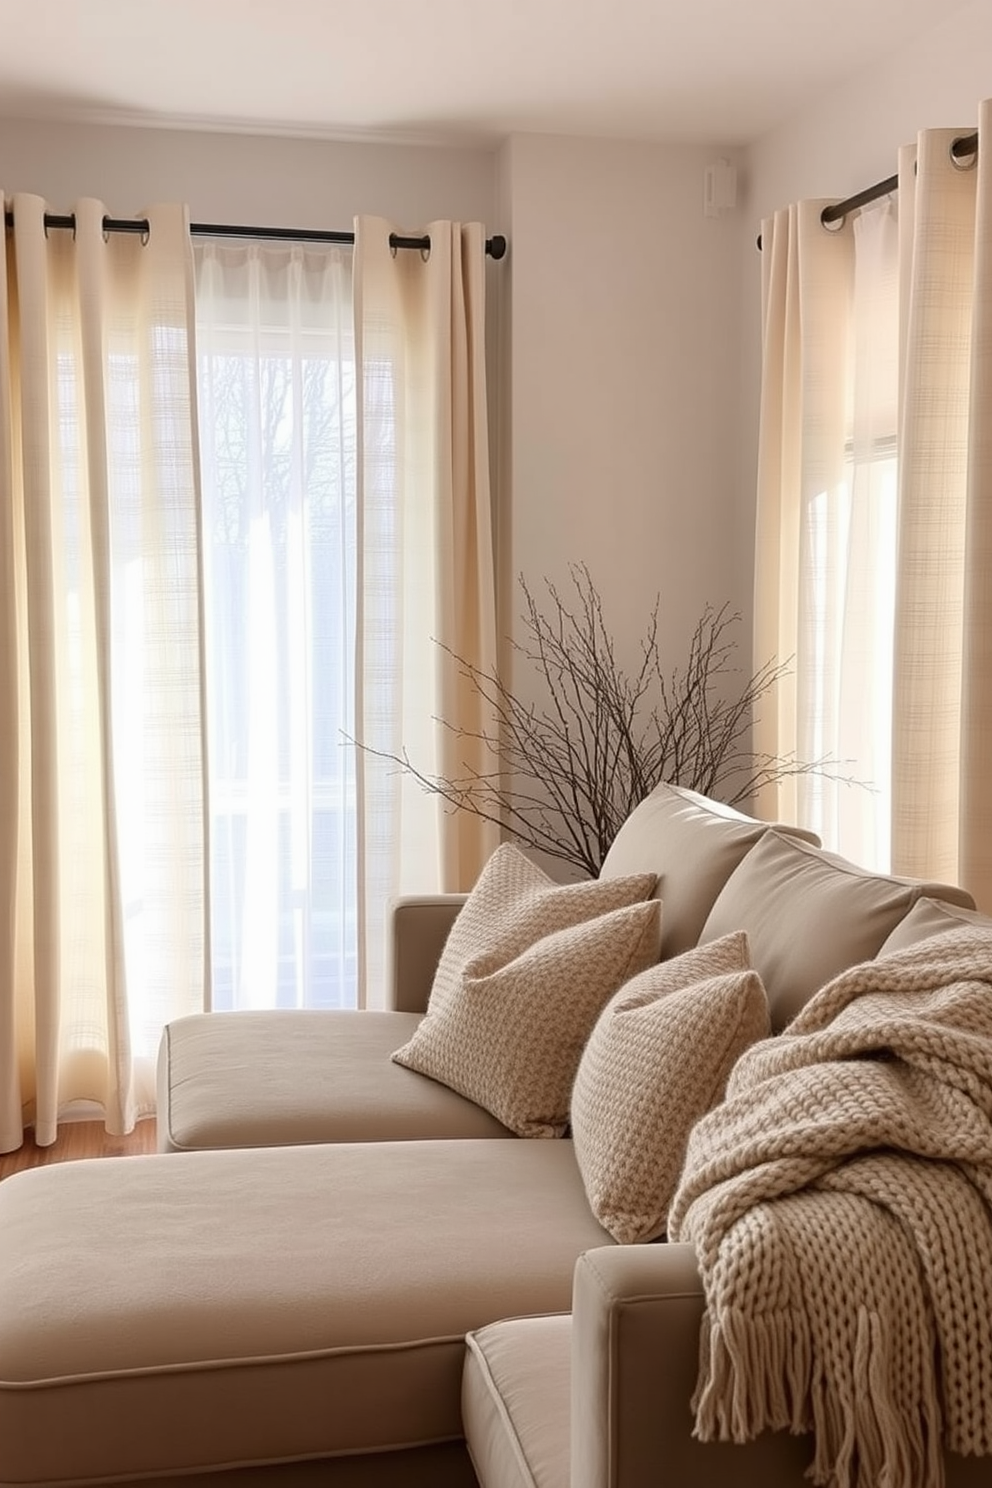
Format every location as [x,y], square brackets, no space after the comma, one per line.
[840,1203]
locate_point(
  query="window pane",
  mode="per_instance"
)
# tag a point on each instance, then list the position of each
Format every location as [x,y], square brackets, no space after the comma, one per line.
[277,414]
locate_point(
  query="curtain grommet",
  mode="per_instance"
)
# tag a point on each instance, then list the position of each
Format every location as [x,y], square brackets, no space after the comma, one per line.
[833,224]
[963,162]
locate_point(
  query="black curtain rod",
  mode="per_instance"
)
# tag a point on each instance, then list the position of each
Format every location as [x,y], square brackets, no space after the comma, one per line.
[963,146]
[495,246]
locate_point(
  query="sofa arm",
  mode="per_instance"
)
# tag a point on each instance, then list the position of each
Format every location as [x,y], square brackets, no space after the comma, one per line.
[636,1311]
[419,925]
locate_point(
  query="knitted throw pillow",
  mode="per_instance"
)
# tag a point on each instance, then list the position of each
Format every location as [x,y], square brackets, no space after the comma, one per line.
[524,974]
[657,1060]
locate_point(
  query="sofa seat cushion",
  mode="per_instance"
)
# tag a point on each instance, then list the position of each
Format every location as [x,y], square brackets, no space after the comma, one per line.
[810,915]
[266,1079]
[515,1402]
[693,844]
[198,1310]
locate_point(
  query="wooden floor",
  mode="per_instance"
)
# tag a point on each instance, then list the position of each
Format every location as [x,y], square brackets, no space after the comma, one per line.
[79,1139]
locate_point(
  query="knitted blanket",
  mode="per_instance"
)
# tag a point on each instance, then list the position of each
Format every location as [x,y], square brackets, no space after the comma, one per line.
[840,1203]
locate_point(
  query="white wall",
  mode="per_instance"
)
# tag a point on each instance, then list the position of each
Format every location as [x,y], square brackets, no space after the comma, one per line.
[621,358]
[248,179]
[846,140]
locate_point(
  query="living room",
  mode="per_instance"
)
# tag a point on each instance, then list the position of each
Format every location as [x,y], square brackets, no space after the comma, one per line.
[625,343]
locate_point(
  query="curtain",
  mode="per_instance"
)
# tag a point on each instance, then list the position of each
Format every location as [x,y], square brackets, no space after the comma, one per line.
[826,519]
[348,552]
[425,564]
[276,387]
[942,794]
[103,934]
[873,518]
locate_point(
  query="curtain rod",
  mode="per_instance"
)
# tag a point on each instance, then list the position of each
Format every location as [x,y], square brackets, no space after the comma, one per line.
[495,246]
[964,145]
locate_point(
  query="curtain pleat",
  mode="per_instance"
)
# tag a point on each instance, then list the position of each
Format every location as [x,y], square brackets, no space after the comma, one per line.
[103,882]
[425,565]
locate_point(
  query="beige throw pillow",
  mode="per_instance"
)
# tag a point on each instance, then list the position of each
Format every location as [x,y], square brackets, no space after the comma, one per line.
[657,1060]
[523,976]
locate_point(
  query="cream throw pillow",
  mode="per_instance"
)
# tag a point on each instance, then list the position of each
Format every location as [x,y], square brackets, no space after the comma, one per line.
[657,1060]
[524,974]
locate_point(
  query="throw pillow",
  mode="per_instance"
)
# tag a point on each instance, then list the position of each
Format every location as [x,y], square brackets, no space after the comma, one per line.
[523,976]
[657,1060]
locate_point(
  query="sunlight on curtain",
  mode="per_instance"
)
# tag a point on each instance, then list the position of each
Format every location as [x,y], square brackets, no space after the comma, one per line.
[848,574]
[102,936]
[276,376]
[826,554]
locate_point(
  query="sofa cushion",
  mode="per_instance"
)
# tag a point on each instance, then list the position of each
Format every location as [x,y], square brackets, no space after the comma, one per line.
[523,977]
[515,1402]
[658,1059]
[931,917]
[809,915]
[268,1079]
[196,1310]
[693,844]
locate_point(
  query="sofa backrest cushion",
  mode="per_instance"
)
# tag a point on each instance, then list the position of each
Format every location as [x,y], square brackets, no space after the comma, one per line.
[809,915]
[693,845]
[930,917]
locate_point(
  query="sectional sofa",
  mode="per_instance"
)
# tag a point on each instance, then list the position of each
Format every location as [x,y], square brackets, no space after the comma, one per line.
[342,1270]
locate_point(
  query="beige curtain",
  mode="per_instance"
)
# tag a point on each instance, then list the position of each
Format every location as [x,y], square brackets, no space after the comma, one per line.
[942,790]
[425,561]
[861,389]
[806,274]
[102,936]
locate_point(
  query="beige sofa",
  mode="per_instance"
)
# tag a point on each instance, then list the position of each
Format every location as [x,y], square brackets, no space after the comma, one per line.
[284,1295]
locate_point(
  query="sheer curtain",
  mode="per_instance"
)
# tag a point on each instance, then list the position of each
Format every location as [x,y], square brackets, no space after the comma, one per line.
[347,533]
[103,932]
[874,531]
[825,564]
[426,577]
[276,365]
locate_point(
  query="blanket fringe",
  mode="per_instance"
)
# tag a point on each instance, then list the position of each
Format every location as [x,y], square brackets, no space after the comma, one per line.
[759,1375]
[754,1375]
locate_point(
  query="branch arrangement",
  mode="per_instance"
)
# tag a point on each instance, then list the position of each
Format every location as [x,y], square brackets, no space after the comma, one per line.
[568,773]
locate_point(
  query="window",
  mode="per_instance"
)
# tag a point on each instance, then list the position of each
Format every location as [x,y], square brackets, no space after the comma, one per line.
[276,377]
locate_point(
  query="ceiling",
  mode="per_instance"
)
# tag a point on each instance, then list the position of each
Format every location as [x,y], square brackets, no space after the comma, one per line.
[444,70]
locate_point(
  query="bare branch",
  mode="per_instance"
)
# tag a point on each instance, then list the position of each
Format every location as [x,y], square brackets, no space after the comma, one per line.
[567,774]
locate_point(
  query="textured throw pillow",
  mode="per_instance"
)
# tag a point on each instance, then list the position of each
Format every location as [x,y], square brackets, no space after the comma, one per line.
[524,974]
[657,1060]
